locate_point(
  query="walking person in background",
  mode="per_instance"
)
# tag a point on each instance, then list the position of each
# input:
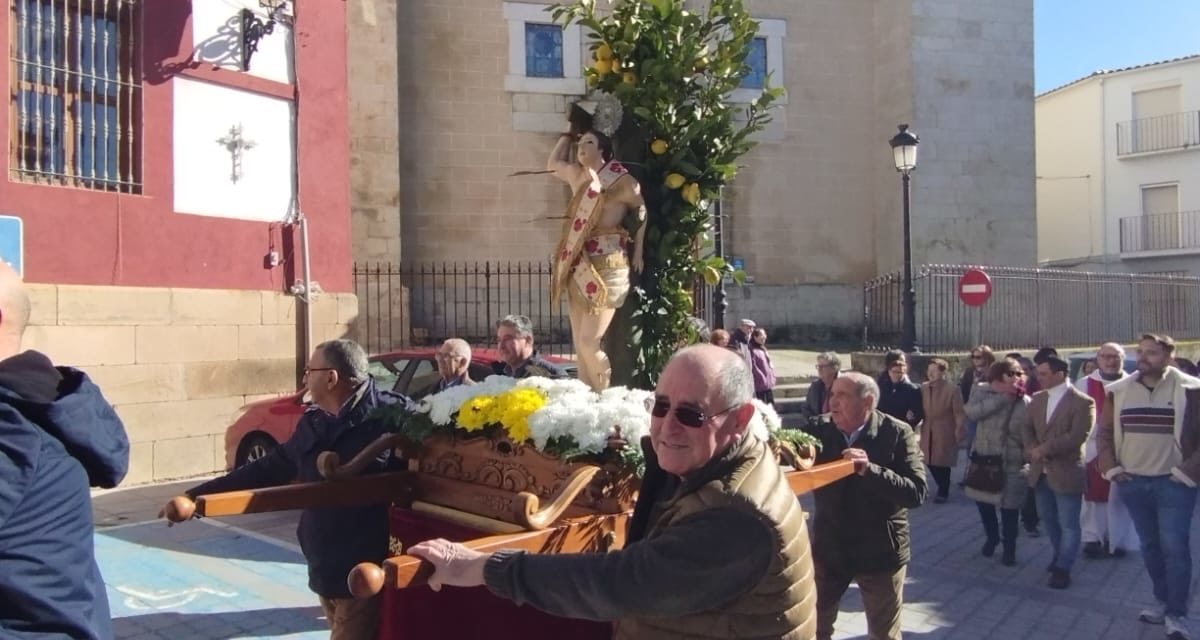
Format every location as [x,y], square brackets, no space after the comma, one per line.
[1060,418]
[1000,409]
[1028,385]
[719,338]
[982,359]
[761,366]
[1149,446]
[942,432]
[900,397]
[1107,530]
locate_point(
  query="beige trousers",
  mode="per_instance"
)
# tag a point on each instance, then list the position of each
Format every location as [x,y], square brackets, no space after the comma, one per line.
[352,619]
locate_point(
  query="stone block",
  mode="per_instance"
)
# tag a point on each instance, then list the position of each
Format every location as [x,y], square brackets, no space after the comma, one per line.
[87,305]
[347,308]
[184,457]
[215,306]
[43,301]
[134,383]
[155,421]
[278,308]
[83,346]
[265,342]
[325,309]
[181,343]
[238,378]
[141,466]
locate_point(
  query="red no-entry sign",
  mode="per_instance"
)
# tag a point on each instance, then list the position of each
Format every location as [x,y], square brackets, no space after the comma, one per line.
[974,287]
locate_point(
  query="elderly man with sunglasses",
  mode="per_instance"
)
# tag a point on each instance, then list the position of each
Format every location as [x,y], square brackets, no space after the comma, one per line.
[717,546]
[860,532]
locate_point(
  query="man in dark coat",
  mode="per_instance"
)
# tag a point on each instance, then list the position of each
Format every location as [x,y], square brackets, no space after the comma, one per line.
[58,437]
[341,419]
[861,531]
[514,335]
[900,397]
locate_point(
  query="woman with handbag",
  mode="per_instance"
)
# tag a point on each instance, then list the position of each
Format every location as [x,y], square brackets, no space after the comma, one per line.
[995,473]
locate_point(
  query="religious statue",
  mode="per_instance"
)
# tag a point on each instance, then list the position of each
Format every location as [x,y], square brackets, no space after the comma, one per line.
[595,253]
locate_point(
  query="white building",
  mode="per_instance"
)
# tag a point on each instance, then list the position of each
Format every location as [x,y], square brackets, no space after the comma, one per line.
[1118,170]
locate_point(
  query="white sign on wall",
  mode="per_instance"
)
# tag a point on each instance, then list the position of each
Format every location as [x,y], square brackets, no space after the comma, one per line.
[233,152]
[217,38]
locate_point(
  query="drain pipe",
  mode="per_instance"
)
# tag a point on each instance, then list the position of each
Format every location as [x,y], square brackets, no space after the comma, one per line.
[303,289]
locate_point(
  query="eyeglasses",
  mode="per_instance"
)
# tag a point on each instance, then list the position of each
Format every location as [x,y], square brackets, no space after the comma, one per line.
[687,416]
[308,370]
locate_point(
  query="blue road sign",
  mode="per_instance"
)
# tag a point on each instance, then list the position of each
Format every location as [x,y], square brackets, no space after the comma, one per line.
[738,264]
[12,242]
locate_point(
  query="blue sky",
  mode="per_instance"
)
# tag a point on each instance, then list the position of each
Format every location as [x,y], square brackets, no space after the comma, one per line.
[1073,38]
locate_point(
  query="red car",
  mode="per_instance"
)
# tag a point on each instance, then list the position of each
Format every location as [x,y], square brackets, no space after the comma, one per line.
[262,425]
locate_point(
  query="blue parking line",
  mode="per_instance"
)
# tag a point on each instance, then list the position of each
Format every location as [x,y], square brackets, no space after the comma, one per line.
[204,581]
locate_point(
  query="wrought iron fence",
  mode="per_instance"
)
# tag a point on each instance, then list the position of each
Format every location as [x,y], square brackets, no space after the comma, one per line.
[1032,307]
[420,304]
[1172,131]
[1160,231]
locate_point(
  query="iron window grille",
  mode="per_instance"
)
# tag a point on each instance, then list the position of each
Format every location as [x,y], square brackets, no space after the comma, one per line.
[76,93]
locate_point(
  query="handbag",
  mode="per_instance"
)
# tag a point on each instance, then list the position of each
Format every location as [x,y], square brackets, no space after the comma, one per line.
[985,479]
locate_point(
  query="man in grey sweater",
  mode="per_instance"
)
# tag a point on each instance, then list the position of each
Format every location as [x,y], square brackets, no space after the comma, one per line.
[717,543]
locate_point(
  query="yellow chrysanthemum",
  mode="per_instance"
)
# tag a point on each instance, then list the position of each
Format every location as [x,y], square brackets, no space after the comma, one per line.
[477,413]
[513,409]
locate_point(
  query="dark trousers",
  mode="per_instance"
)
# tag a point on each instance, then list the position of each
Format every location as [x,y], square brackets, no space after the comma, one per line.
[1005,531]
[882,596]
[767,396]
[1029,513]
[941,475]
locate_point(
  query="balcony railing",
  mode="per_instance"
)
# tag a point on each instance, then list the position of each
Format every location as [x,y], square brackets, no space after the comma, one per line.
[1160,133]
[1161,232]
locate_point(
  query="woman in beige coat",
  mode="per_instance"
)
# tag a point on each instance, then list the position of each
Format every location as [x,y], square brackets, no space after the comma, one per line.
[943,431]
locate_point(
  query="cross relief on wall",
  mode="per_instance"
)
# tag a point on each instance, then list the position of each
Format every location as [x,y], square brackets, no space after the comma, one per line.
[236,145]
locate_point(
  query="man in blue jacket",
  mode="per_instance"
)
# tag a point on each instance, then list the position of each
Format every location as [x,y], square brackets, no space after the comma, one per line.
[333,539]
[58,437]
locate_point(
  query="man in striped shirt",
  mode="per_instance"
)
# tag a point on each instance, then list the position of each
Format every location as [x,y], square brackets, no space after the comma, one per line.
[1149,446]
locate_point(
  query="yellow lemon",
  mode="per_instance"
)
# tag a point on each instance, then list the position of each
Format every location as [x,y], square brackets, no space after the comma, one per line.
[701,63]
[659,147]
[616,64]
[691,193]
[674,181]
[603,67]
[630,78]
[604,52]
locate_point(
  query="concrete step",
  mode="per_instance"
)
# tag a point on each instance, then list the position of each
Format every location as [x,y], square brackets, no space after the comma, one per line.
[791,390]
[792,379]
[788,405]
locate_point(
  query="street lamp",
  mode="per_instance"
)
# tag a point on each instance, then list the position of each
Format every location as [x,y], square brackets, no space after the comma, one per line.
[904,152]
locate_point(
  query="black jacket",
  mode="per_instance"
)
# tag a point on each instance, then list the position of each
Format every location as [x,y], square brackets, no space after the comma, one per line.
[536,365]
[898,398]
[58,436]
[333,539]
[814,402]
[861,522]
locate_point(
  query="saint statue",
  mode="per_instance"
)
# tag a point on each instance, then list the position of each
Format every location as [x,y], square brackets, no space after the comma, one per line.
[595,253]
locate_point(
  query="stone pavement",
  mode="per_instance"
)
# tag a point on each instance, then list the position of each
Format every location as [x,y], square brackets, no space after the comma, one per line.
[243,577]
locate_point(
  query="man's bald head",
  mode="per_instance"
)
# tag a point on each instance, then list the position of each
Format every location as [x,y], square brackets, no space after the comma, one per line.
[14,302]
[725,369]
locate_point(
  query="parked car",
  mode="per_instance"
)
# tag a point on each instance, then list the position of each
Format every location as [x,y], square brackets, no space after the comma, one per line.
[1076,361]
[262,425]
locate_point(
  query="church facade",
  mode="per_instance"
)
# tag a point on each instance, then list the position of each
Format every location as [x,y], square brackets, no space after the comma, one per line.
[482,87]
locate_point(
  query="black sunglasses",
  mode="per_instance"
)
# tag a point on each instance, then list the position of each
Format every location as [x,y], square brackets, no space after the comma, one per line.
[687,416]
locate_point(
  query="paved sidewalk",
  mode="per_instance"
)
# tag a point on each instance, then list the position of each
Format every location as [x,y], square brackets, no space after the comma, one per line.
[243,577]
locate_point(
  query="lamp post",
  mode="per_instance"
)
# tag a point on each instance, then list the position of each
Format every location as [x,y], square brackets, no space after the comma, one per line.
[904,153]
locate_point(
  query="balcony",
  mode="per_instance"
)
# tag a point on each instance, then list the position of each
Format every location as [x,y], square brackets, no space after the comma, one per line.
[1176,131]
[1170,232]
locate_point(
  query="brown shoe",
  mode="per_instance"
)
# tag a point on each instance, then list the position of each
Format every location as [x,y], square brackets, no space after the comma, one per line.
[1059,579]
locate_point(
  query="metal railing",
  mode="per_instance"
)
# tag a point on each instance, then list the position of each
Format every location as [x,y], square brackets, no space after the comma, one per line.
[1160,133]
[1160,232]
[1032,307]
[420,304]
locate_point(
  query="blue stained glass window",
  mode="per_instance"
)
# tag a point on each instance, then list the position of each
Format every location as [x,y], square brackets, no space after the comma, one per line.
[757,60]
[543,50]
